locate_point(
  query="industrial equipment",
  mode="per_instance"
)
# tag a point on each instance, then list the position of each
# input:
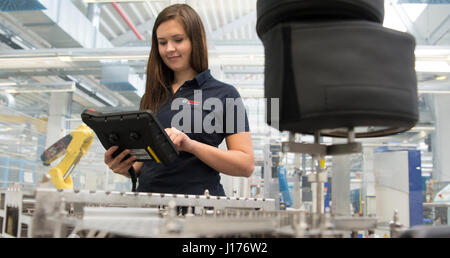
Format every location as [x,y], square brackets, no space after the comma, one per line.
[334,66]
[49,212]
[74,146]
[347,77]
[330,64]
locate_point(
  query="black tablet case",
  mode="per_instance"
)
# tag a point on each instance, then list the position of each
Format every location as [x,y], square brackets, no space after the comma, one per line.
[138,131]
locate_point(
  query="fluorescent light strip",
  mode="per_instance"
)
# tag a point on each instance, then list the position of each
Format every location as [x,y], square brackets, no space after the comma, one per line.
[432,66]
[7,84]
[31,59]
[36,91]
[39,87]
[434,91]
[423,128]
[97,58]
[73,58]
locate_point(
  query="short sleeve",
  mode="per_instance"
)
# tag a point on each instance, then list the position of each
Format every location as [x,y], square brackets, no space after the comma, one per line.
[235,116]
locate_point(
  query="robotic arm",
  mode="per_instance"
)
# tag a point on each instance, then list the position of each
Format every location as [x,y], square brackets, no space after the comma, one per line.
[74,146]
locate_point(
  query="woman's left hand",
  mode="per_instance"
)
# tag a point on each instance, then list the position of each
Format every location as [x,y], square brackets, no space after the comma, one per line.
[180,139]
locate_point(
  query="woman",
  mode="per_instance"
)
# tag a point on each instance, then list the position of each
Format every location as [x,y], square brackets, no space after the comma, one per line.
[178,69]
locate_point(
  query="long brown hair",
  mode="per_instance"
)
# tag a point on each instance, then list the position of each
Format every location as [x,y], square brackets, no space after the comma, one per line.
[159,76]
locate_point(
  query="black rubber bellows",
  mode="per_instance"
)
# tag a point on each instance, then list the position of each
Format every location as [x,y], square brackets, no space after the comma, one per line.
[333,65]
[272,12]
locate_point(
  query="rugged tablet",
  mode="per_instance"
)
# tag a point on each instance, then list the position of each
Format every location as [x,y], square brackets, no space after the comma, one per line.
[138,131]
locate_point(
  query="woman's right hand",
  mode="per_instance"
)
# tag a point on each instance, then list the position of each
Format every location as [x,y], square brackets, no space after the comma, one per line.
[116,164]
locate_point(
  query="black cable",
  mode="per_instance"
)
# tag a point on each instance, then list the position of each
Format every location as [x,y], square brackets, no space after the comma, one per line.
[133,178]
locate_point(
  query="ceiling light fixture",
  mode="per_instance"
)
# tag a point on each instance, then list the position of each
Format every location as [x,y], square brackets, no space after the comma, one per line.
[7,84]
[65,58]
[432,66]
[40,87]
[434,91]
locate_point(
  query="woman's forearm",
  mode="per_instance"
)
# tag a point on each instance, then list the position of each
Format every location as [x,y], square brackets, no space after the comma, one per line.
[230,162]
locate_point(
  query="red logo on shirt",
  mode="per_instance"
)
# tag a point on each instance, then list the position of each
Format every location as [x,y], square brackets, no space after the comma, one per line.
[193,102]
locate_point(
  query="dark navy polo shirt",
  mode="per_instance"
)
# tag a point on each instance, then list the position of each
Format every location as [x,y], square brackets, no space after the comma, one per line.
[188,174]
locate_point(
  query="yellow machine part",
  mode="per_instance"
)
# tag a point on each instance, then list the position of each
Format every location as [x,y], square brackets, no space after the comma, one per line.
[82,138]
[322,163]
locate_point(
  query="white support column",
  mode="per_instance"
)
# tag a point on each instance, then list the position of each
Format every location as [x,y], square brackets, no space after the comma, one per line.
[243,187]
[271,185]
[340,189]
[59,111]
[340,182]
[441,143]
[369,193]
[227,183]
[297,193]
[235,187]
[93,15]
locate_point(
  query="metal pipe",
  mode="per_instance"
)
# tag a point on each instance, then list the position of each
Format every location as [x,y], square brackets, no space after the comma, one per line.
[93,14]
[125,18]
[94,17]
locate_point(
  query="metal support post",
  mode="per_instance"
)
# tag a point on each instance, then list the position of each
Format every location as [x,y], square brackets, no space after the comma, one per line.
[317,177]
[59,111]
